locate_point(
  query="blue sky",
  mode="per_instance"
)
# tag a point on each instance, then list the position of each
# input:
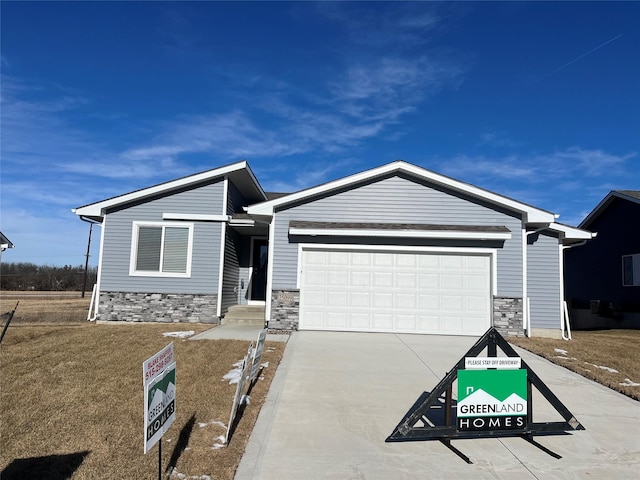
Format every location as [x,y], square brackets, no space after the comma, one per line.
[538,101]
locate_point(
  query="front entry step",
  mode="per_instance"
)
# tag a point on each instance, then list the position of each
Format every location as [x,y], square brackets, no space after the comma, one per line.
[244,315]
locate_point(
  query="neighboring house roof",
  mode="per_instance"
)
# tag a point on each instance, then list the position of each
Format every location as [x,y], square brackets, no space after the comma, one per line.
[239,173]
[532,214]
[628,195]
[5,242]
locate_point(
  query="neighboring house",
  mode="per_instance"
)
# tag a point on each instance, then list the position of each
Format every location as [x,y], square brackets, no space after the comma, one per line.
[603,277]
[5,243]
[394,249]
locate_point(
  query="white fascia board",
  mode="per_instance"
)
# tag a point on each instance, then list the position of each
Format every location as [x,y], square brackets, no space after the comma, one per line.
[97,209]
[572,233]
[532,214]
[196,217]
[352,232]
[242,223]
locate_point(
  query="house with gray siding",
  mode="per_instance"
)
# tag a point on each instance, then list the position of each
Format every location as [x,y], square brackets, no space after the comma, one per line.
[394,249]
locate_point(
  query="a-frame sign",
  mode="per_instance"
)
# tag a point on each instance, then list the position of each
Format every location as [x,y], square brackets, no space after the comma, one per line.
[494,400]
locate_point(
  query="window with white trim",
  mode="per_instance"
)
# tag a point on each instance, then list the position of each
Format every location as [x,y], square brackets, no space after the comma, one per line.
[631,270]
[161,249]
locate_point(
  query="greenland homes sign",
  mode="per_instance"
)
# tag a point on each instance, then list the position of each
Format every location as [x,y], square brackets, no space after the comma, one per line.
[492,400]
[159,379]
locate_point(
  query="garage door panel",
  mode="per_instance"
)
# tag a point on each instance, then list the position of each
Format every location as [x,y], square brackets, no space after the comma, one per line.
[315,277]
[413,292]
[453,324]
[360,279]
[360,321]
[337,299]
[428,281]
[382,322]
[383,260]
[406,323]
[314,298]
[406,301]
[429,303]
[360,299]
[338,278]
[337,320]
[406,280]
[383,300]
[452,282]
[383,279]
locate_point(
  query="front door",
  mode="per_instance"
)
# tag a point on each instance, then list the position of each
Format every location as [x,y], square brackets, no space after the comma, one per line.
[259,256]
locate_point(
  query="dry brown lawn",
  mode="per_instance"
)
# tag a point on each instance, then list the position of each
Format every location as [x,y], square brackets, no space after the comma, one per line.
[71,397]
[48,307]
[609,357]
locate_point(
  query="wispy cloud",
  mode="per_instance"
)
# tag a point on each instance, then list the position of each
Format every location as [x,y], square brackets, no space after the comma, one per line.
[560,165]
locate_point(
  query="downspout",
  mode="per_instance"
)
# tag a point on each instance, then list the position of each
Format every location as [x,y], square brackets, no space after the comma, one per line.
[95,294]
[564,314]
[526,307]
[271,243]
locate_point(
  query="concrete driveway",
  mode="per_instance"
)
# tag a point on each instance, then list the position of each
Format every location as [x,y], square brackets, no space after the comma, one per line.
[337,396]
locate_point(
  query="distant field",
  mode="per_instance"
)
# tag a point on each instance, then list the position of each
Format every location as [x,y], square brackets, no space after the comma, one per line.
[45,307]
[609,357]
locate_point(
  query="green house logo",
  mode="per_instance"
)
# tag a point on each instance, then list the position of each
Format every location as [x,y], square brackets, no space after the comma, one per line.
[492,399]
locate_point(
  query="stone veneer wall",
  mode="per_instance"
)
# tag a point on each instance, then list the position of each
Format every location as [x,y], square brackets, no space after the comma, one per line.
[507,316]
[157,307]
[285,309]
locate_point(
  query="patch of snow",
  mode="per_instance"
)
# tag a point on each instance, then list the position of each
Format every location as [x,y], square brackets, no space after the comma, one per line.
[559,350]
[264,365]
[212,422]
[608,369]
[565,358]
[233,376]
[628,383]
[184,334]
[220,442]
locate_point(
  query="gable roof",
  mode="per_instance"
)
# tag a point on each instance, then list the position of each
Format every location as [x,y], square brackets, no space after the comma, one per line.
[530,214]
[239,173]
[627,195]
[5,242]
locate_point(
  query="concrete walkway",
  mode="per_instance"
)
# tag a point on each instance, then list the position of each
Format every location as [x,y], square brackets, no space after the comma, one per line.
[337,396]
[238,332]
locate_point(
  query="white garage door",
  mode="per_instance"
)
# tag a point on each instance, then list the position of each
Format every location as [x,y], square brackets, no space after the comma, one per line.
[413,292]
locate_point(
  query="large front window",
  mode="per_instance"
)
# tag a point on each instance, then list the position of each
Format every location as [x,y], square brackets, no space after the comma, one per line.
[161,249]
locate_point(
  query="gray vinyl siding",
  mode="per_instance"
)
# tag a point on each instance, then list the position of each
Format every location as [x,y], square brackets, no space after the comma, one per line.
[235,199]
[231,281]
[398,200]
[205,265]
[543,287]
